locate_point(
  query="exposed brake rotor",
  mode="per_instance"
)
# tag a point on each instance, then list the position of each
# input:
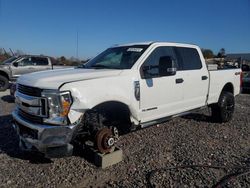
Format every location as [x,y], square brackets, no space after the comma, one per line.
[104,140]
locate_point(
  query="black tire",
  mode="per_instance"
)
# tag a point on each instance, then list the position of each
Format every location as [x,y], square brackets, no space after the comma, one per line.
[223,110]
[4,83]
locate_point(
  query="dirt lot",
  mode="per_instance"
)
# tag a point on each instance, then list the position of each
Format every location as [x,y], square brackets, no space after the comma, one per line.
[190,140]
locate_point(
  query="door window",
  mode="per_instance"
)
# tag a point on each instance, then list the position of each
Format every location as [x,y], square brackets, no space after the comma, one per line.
[25,62]
[151,65]
[40,61]
[188,58]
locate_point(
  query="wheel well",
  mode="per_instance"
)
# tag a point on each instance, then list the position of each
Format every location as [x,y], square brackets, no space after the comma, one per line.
[4,74]
[116,111]
[228,88]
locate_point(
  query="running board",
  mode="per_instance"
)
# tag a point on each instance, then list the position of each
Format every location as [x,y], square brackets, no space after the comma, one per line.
[161,120]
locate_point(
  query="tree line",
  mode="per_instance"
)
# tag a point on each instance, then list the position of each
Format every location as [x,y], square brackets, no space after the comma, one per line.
[72,61]
[208,54]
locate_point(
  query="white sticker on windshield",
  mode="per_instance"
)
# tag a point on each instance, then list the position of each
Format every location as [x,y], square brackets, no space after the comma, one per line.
[134,49]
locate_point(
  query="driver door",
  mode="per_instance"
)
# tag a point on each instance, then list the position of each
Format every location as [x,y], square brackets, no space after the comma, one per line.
[160,96]
[24,65]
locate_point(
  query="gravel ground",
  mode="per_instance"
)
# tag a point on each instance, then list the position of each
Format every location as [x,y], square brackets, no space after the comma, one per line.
[190,140]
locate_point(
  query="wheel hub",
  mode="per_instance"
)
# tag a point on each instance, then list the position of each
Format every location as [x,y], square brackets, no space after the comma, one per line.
[104,140]
[111,141]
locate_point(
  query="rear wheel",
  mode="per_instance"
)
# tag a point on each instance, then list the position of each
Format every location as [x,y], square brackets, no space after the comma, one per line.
[4,83]
[224,109]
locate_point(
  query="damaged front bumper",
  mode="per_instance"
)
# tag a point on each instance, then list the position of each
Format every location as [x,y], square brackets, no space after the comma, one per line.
[53,141]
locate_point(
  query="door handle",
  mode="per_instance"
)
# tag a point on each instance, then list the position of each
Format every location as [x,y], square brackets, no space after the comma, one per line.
[204,77]
[179,80]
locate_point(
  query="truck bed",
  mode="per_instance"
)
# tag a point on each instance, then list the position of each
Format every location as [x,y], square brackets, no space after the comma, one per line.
[218,78]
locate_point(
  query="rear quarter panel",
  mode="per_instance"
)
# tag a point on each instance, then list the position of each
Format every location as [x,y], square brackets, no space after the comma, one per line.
[219,78]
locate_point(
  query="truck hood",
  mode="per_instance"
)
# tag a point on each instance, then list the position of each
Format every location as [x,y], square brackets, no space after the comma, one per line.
[53,79]
[4,66]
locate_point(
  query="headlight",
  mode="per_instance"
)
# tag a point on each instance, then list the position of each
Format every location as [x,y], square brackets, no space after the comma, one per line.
[58,106]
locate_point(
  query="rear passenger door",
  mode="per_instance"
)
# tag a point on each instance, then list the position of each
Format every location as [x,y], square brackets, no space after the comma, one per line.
[195,77]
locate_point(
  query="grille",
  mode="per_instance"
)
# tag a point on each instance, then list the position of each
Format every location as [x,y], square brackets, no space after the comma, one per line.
[31,118]
[27,132]
[31,91]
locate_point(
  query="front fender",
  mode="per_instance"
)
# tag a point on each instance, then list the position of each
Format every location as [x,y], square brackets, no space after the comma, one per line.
[88,94]
[5,72]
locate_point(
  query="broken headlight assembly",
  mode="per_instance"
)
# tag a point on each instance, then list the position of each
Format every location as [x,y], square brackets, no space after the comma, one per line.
[58,106]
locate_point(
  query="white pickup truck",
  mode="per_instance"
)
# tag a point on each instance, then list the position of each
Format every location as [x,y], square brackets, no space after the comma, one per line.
[124,88]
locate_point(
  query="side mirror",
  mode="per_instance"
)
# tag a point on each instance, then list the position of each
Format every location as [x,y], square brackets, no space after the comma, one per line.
[15,64]
[166,66]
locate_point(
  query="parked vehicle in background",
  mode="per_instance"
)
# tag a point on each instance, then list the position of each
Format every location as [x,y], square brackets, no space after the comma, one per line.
[15,66]
[9,60]
[124,88]
[246,82]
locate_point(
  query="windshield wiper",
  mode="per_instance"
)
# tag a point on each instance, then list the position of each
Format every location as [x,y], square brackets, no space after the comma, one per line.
[100,66]
[81,66]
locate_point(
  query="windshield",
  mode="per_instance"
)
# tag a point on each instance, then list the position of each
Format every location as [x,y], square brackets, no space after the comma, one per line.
[123,57]
[8,61]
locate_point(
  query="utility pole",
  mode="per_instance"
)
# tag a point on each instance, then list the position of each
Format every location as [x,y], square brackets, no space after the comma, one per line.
[77,43]
[0,9]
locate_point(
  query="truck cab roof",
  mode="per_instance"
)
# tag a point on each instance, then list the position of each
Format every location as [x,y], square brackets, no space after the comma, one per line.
[158,43]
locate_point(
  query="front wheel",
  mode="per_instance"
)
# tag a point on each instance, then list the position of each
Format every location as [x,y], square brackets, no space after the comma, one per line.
[223,110]
[4,83]
[96,128]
